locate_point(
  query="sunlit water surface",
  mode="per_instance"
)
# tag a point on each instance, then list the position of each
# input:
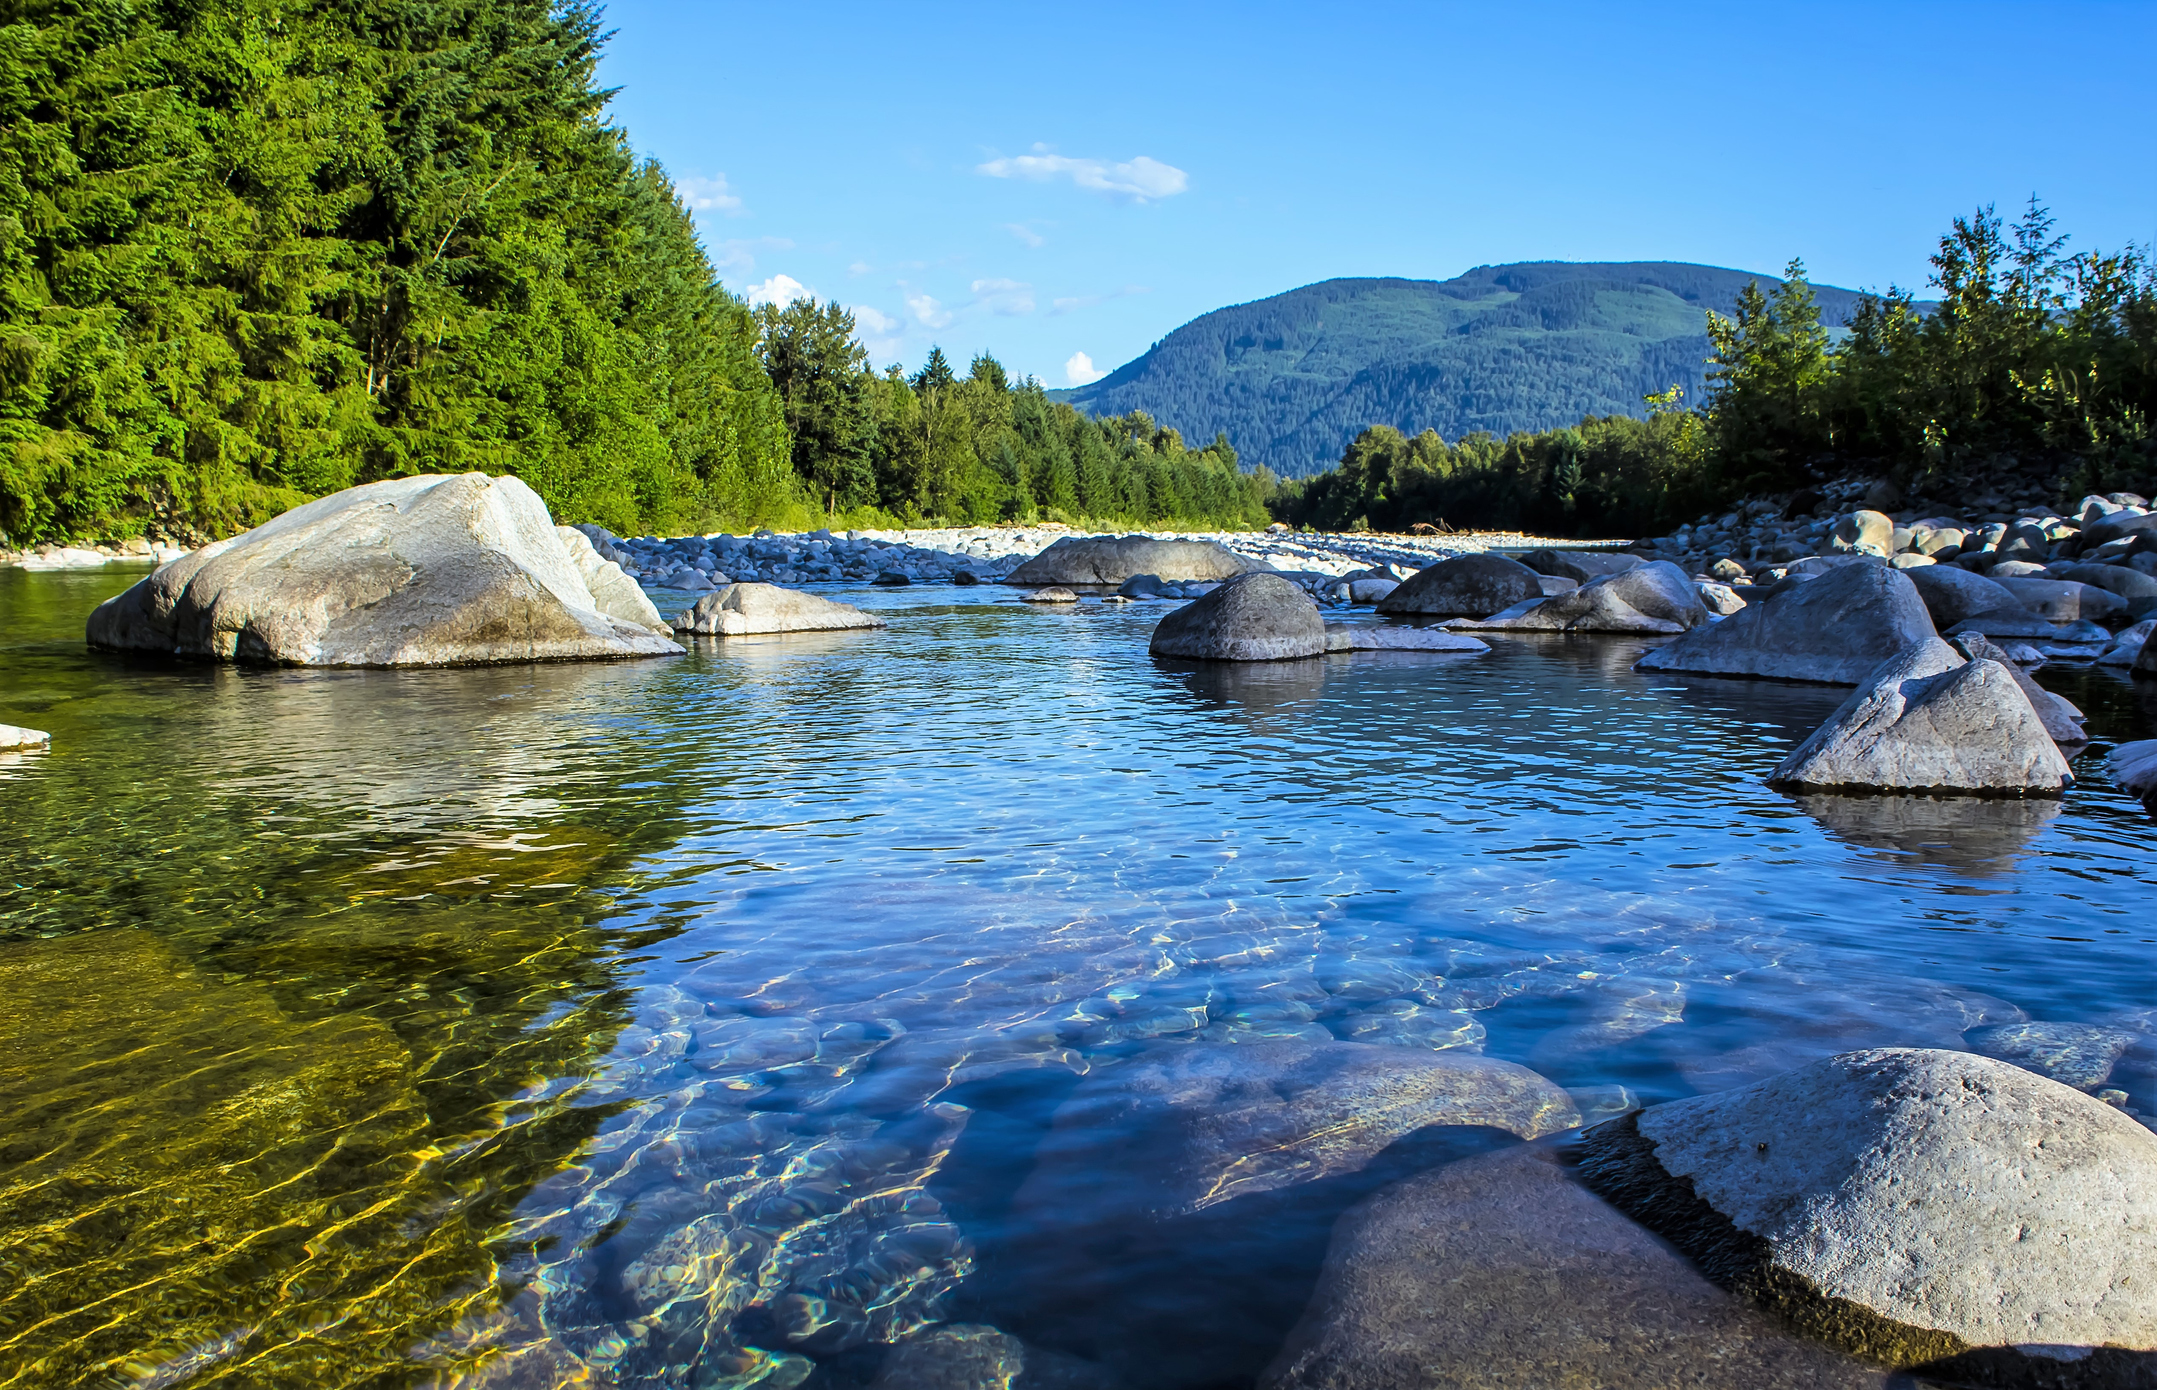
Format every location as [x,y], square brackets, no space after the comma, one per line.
[692,1023]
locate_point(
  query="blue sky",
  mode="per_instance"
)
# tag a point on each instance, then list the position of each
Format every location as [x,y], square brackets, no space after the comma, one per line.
[1064,185]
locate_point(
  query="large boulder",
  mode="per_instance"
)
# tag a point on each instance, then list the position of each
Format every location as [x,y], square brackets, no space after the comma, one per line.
[2064,600]
[1652,598]
[1927,1209]
[2129,583]
[1928,721]
[1504,1272]
[747,610]
[1953,594]
[1466,586]
[1113,559]
[1833,630]
[1253,617]
[1580,566]
[2135,766]
[2118,524]
[2058,714]
[613,591]
[441,570]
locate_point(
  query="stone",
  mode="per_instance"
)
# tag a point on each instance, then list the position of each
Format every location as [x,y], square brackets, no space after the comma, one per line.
[1555,584]
[65,557]
[1373,637]
[14,736]
[2064,600]
[892,579]
[1371,590]
[1194,1125]
[1935,541]
[1912,561]
[749,610]
[2080,1055]
[1141,586]
[1864,533]
[438,570]
[1813,566]
[2005,570]
[614,593]
[1932,1210]
[1466,586]
[1927,721]
[965,579]
[1953,594]
[971,1356]
[2127,644]
[1580,566]
[1720,599]
[1834,630]
[2134,767]
[2124,580]
[2019,622]
[1652,598]
[1728,571]
[2062,721]
[1055,593]
[2113,527]
[1253,617]
[1503,1272]
[1113,559]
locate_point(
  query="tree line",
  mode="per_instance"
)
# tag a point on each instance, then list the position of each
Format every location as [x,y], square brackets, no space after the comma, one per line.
[255,251]
[2032,357]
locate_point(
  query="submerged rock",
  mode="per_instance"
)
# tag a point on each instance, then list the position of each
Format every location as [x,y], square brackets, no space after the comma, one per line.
[1928,721]
[1924,1208]
[429,571]
[1253,617]
[1373,637]
[1466,586]
[1504,1272]
[2080,1055]
[1113,559]
[747,610]
[1055,593]
[1834,630]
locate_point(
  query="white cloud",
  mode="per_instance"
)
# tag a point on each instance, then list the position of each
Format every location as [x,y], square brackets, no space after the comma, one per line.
[927,312]
[874,321]
[1026,235]
[859,268]
[781,290]
[1139,180]
[739,254]
[1010,297]
[709,195]
[1087,301]
[1080,370]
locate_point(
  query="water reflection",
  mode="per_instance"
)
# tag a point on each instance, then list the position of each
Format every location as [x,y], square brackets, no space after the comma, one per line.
[1973,834]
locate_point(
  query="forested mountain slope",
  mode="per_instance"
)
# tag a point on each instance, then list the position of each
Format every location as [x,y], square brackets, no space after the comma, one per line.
[1537,345]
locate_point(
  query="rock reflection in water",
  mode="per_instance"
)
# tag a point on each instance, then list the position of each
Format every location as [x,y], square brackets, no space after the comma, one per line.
[1973,834]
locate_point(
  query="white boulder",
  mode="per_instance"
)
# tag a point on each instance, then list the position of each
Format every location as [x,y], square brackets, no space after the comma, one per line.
[751,610]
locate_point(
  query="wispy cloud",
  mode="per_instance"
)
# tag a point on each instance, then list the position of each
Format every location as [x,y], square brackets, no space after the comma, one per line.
[1138,180]
[1008,297]
[1080,370]
[1026,235]
[927,311]
[781,290]
[739,254]
[709,195]
[875,320]
[859,268]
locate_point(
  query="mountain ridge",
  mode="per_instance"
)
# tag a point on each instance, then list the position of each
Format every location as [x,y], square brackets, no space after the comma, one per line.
[1528,345]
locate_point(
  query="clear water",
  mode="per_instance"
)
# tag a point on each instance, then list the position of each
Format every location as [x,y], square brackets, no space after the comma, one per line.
[693,1022]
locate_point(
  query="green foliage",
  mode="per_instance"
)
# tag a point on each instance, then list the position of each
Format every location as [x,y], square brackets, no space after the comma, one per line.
[982,449]
[252,251]
[1501,349]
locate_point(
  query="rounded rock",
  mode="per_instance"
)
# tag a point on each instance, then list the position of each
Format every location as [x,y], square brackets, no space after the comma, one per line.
[1253,617]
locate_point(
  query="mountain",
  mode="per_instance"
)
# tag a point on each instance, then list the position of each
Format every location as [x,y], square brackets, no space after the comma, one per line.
[1537,345]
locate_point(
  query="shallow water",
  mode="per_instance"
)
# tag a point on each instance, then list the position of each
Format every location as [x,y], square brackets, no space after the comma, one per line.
[695,1022]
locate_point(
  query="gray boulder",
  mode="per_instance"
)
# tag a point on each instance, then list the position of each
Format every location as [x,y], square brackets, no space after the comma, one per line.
[2127,582]
[2127,644]
[749,610]
[1652,598]
[2058,714]
[1141,586]
[1113,559]
[1466,586]
[2064,600]
[440,570]
[2134,766]
[1834,630]
[1371,590]
[1253,617]
[1504,1272]
[1864,533]
[1929,721]
[1580,566]
[1928,1209]
[2118,524]
[1372,637]
[1953,594]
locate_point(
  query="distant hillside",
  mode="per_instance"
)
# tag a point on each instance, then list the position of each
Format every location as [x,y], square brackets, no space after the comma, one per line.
[1508,347]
